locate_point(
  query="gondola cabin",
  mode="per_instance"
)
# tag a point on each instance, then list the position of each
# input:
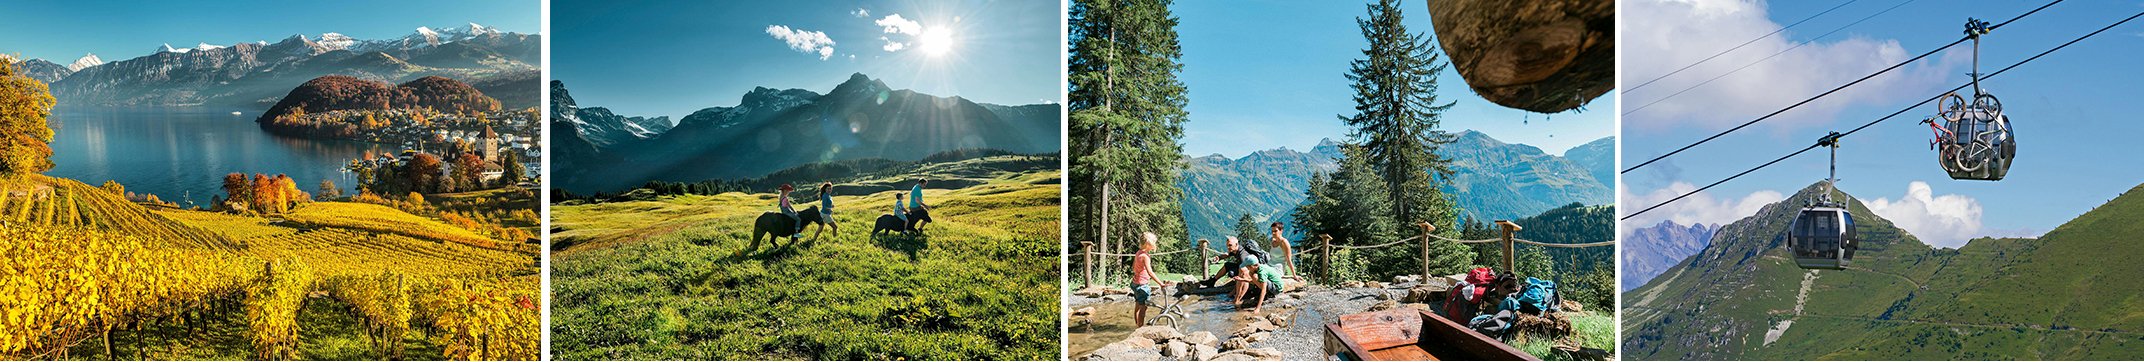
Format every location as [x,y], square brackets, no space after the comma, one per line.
[1822,237]
[1979,145]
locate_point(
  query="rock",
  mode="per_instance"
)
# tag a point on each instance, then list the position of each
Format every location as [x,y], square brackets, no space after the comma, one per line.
[1257,337]
[1203,352]
[1281,319]
[1129,349]
[1351,285]
[1083,312]
[1382,306]
[1422,294]
[1381,295]
[1113,298]
[1235,344]
[1241,332]
[1202,338]
[1404,279]
[1090,292]
[1263,326]
[1177,349]
[1256,354]
[1157,334]
[1373,284]
[1573,307]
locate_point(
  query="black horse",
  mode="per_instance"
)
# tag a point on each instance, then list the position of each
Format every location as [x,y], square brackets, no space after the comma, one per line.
[916,218]
[779,225]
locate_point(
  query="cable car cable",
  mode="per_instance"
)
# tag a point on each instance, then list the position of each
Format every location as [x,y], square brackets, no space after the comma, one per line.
[1893,114]
[1960,40]
[1761,61]
[1746,43]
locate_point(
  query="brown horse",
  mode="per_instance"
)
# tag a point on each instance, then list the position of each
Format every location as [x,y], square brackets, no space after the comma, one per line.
[779,225]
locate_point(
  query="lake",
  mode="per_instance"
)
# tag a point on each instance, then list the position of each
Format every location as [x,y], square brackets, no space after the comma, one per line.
[181,154]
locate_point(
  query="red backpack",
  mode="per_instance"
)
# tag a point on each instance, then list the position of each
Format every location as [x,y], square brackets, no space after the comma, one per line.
[1480,276]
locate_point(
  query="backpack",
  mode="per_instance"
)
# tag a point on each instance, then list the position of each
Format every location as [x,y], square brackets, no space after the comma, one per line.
[1537,296]
[1260,252]
[1480,276]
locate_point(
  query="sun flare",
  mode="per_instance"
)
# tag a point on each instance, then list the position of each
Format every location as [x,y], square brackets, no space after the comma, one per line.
[936,41]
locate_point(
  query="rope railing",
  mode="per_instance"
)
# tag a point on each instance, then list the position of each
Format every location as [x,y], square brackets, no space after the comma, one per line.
[1562,245]
[1325,243]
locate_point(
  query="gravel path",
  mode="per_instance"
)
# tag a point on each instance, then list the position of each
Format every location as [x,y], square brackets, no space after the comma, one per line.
[1303,340]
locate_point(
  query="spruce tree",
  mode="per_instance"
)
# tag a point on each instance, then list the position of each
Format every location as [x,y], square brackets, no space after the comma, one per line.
[1396,120]
[1127,114]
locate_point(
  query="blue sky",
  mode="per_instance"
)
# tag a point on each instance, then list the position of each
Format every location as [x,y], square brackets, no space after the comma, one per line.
[670,59]
[62,31]
[1269,74]
[2072,110]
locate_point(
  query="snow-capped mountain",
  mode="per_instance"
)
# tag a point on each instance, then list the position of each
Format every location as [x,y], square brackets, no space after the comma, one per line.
[256,74]
[86,61]
[39,69]
[771,129]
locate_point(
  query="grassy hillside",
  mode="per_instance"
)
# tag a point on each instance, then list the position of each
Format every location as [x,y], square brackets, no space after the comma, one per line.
[670,278]
[2056,297]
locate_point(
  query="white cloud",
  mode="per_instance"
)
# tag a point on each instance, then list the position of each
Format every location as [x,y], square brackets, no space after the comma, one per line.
[809,42]
[1675,33]
[897,26]
[1946,221]
[1701,208]
[861,13]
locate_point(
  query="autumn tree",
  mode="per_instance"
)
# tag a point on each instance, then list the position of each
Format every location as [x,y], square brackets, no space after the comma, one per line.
[239,189]
[469,171]
[25,139]
[424,172]
[328,191]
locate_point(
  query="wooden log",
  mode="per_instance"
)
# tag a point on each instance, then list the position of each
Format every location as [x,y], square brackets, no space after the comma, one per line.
[1327,273]
[1087,252]
[1427,230]
[1544,56]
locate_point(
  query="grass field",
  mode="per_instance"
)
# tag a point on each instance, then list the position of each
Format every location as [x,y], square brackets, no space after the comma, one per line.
[672,279]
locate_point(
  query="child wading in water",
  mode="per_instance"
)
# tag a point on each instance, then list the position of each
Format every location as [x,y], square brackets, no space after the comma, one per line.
[1142,275]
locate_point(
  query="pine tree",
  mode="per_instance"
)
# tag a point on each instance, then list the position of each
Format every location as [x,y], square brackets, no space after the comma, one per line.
[1396,121]
[25,139]
[1127,114]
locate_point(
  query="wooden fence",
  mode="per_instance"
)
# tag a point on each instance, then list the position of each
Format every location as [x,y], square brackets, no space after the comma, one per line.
[1088,255]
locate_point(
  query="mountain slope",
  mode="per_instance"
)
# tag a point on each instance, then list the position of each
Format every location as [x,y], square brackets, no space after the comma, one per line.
[2056,297]
[1494,180]
[46,200]
[1598,157]
[42,70]
[1650,250]
[771,129]
[254,74]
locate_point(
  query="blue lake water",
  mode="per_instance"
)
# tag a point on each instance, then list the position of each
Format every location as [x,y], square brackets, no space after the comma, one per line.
[181,154]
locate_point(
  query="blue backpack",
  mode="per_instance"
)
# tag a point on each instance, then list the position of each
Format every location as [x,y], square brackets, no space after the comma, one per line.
[1537,296]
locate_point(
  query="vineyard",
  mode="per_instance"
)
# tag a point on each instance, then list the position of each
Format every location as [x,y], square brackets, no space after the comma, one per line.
[91,276]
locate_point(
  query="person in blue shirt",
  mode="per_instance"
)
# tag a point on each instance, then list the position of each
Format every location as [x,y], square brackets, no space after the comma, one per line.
[898,210]
[915,195]
[826,206]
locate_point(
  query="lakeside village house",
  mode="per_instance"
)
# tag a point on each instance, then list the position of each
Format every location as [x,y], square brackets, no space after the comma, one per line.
[491,145]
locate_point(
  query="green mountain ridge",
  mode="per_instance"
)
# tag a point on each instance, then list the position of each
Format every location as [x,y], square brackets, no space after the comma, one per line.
[2055,297]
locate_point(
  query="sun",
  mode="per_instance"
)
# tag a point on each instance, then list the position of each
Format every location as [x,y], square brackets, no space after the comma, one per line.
[936,41]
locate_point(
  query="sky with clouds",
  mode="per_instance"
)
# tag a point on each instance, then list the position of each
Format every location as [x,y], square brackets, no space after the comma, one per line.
[2068,108]
[1269,74]
[671,58]
[62,31]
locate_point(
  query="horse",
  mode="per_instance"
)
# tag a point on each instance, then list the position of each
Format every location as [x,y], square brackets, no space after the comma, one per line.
[888,222]
[779,225]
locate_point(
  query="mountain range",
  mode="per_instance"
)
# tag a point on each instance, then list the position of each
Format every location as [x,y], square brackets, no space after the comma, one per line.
[256,74]
[2067,295]
[1491,180]
[1653,249]
[773,129]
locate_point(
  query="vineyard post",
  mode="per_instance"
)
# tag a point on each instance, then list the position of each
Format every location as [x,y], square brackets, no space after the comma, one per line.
[1427,228]
[1087,252]
[1509,229]
[1200,265]
[1327,266]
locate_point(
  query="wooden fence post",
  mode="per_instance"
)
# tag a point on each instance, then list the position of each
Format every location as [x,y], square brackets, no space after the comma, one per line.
[1327,266]
[1200,265]
[1087,251]
[1509,229]
[1427,230]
